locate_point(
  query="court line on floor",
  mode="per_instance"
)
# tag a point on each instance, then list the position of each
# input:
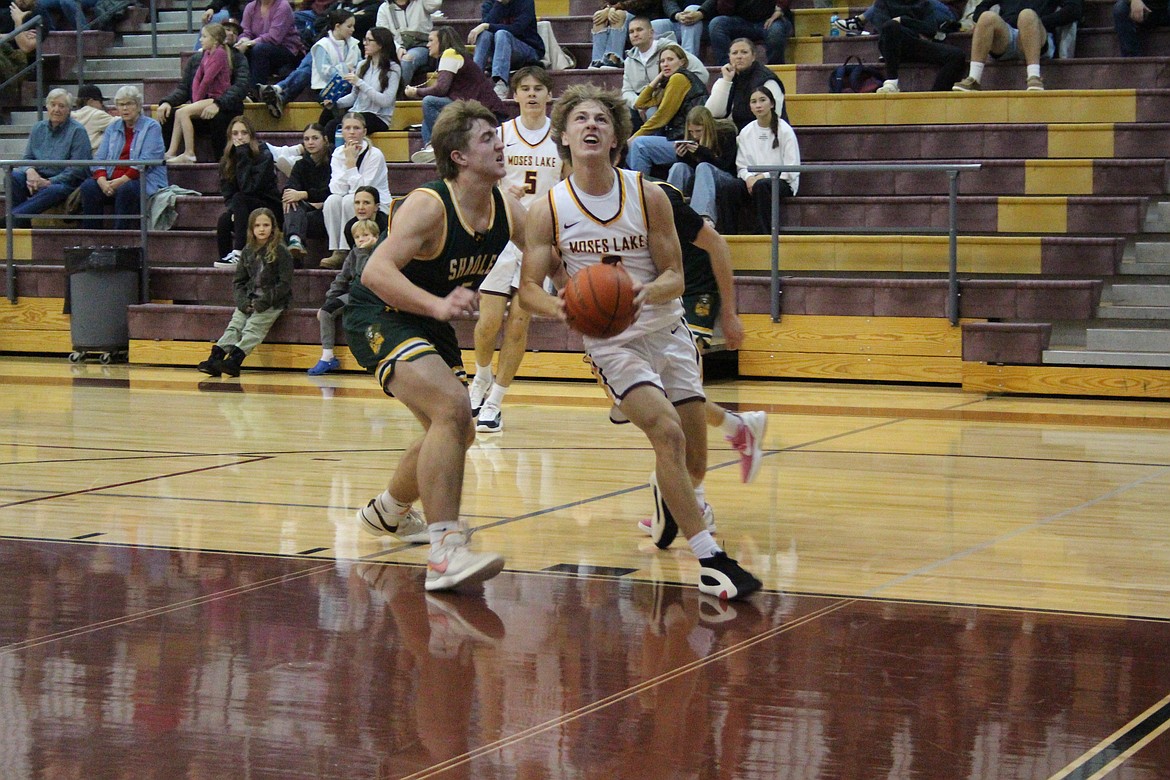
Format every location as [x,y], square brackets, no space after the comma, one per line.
[98,488]
[1114,750]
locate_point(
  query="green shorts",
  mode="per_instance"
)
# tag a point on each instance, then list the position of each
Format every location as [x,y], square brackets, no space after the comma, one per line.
[701,311]
[379,339]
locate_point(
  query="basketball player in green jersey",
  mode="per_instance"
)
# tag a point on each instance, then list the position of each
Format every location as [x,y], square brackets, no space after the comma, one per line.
[441,243]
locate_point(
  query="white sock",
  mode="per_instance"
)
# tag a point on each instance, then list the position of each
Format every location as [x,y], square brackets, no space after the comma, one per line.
[437,530]
[326,354]
[398,506]
[976,71]
[485,372]
[1034,70]
[703,544]
[496,396]
[892,83]
[730,423]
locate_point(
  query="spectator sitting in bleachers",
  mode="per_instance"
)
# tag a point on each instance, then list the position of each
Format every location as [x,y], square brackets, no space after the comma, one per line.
[219,12]
[247,176]
[262,288]
[213,77]
[56,137]
[356,164]
[672,93]
[131,137]
[410,23]
[365,236]
[879,13]
[908,35]
[375,84]
[1131,18]
[277,96]
[506,39]
[709,145]
[335,54]
[641,65]
[55,14]
[609,36]
[270,40]
[458,78]
[769,21]
[308,187]
[740,77]
[15,55]
[366,205]
[213,119]
[92,113]
[768,140]
[1021,29]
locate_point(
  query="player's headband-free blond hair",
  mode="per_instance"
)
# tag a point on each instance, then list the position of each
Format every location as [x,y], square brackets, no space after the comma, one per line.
[610,100]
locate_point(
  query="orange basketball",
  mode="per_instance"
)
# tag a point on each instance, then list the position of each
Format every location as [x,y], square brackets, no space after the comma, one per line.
[599,300]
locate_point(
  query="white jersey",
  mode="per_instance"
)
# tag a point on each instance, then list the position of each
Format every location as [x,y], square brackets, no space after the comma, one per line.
[587,229]
[530,158]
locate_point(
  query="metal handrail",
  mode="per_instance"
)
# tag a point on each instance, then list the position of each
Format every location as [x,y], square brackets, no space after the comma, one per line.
[6,167]
[37,63]
[79,67]
[951,169]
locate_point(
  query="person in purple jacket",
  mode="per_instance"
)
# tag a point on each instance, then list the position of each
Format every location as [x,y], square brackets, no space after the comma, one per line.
[506,39]
[270,39]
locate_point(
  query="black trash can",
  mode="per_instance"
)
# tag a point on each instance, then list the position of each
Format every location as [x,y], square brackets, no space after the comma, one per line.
[103,282]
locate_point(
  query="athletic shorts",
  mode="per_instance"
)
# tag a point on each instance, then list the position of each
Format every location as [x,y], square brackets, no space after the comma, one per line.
[379,339]
[504,278]
[701,312]
[1013,52]
[667,359]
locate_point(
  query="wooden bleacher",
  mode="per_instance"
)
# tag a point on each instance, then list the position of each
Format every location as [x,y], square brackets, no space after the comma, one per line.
[1068,175]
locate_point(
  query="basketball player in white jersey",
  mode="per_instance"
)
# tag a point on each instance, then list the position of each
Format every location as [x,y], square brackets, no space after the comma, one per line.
[651,370]
[533,167]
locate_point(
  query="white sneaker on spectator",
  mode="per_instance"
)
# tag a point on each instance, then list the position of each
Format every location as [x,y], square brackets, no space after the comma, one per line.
[230,260]
[889,87]
[501,89]
[423,155]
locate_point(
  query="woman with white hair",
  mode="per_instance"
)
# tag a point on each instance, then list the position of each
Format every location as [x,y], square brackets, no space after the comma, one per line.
[130,137]
[56,137]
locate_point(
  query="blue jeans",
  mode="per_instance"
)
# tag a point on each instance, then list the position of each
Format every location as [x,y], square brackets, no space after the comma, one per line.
[725,29]
[298,81]
[25,205]
[414,60]
[219,17]
[708,180]
[505,51]
[1129,32]
[125,200]
[689,36]
[70,10]
[682,176]
[648,150]
[432,106]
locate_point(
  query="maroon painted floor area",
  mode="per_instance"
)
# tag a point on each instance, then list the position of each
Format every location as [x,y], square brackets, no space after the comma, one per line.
[142,663]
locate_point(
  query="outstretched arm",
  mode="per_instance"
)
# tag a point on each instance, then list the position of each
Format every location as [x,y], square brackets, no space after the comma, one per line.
[538,263]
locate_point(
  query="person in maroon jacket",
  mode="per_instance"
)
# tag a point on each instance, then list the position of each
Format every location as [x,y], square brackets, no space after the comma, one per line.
[459,78]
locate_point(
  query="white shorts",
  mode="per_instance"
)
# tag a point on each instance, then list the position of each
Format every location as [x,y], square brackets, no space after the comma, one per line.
[504,278]
[667,359]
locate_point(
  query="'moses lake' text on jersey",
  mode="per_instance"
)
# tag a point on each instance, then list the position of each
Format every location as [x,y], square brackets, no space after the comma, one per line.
[589,229]
[531,159]
[464,258]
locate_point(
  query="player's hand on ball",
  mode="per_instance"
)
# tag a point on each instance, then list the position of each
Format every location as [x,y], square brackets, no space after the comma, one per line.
[640,294]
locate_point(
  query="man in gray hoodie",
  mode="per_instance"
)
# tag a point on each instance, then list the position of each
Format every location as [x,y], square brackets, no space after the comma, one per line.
[642,64]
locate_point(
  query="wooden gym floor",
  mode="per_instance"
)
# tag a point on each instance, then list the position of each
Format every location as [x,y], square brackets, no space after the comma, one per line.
[957,586]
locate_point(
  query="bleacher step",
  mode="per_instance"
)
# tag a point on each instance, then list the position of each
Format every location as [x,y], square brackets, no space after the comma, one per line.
[1137,294]
[1128,339]
[1090,357]
[1110,312]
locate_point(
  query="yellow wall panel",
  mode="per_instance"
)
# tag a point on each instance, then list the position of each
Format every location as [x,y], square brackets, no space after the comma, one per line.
[805,50]
[881,368]
[1080,140]
[975,107]
[1032,215]
[21,245]
[394,145]
[552,8]
[1066,380]
[852,335]
[787,75]
[1058,177]
[1004,255]
[35,340]
[44,314]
